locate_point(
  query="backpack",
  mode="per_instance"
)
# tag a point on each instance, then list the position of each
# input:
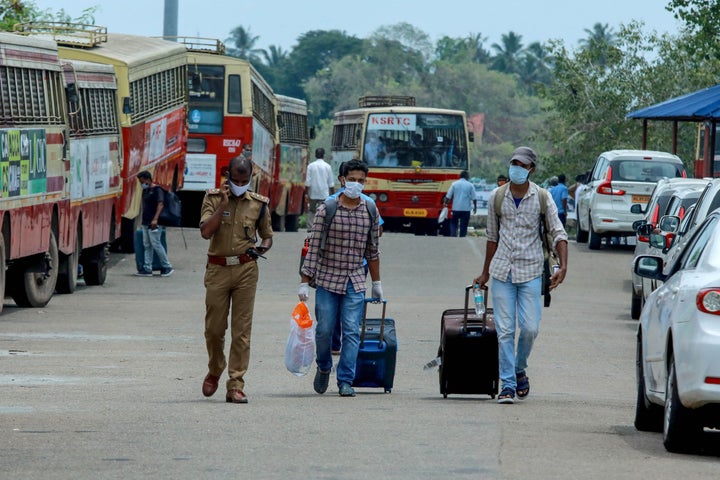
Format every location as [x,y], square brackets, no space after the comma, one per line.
[330,209]
[171,214]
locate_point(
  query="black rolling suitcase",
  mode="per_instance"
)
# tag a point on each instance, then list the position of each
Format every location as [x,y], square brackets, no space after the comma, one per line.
[468,351]
[377,355]
[140,251]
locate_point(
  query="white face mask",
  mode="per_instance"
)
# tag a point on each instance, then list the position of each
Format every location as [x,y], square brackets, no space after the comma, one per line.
[236,190]
[353,189]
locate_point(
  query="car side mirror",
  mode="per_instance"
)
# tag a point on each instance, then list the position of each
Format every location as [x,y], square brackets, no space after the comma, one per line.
[645,229]
[637,224]
[657,240]
[669,223]
[637,208]
[648,266]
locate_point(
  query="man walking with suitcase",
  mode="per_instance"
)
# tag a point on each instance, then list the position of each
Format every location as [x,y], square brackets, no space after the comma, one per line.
[514,258]
[334,261]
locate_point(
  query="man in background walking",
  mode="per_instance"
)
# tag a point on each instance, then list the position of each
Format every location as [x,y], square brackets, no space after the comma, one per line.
[319,184]
[462,193]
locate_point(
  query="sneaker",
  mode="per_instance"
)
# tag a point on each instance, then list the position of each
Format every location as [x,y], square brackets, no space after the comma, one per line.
[346,390]
[321,382]
[166,272]
[143,273]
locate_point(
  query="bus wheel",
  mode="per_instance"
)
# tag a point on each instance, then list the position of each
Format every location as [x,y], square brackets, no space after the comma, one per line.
[95,265]
[2,272]
[36,285]
[291,223]
[68,274]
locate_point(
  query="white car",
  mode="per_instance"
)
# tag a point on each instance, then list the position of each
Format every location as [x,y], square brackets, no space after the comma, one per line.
[678,342]
[619,179]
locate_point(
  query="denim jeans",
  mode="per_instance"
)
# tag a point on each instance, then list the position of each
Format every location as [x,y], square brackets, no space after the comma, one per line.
[462,218]
[509,300]
[327,305]
[152,243]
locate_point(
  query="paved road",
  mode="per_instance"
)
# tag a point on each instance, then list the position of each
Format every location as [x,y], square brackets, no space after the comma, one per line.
[105,383]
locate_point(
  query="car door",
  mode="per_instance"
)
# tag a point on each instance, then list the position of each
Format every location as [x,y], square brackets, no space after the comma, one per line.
[672,304]
[598,173]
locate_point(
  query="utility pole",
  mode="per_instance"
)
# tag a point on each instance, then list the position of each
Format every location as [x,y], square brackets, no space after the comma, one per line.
[170,24]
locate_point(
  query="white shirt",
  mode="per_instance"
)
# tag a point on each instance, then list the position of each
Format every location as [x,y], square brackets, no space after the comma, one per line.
[319,179]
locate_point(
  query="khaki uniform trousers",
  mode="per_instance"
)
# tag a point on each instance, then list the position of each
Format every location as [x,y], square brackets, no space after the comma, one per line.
[223,285]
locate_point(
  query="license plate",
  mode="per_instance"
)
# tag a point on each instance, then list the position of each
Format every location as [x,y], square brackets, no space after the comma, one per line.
[415,212]
[640,199]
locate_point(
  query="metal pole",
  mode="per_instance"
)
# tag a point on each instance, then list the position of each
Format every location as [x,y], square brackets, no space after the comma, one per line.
[170,24]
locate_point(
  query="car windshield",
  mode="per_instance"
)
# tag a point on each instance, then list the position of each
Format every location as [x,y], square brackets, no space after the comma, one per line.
[644,170]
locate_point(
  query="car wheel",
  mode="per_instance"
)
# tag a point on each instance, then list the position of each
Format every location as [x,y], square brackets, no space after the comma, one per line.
[648,416]
[681,428]
[595,238]
[636,304]
[582,235]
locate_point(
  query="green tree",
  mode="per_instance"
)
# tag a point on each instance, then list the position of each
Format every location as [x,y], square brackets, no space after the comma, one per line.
[16,11]
[242,44]
[507,53]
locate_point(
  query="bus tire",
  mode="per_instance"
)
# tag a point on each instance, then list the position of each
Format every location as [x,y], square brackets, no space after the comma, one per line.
[2,272]
[95,262]
[36,285]
[68,274]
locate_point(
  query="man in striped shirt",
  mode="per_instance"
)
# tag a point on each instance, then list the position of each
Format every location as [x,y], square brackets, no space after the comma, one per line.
[514,259]
[337,270]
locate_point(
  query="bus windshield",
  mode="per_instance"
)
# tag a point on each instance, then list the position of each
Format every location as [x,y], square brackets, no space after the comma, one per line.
[415,139]
[206,85]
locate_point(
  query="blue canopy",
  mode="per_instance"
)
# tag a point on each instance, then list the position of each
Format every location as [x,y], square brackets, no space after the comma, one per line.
[694,107]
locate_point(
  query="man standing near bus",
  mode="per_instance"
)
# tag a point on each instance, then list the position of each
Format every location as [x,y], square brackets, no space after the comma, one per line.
[319,184]
[232,218]
[462,193]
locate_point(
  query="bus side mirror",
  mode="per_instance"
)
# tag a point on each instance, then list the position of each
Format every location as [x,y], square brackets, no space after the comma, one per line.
[312,133]
[71,93]
[127,108]
[471,136]
[280,122]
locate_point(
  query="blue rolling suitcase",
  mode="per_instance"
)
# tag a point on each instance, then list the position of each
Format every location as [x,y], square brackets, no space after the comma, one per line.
[377,355]
[140,252]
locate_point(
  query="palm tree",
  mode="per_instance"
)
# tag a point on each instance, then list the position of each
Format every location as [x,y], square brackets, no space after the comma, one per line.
[243,44]
[599,41]
[274,56]
[474,43]
[508,52]
[535,66]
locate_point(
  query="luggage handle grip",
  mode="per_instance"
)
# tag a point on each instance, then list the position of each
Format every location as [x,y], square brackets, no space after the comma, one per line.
[467,298]
[382,321]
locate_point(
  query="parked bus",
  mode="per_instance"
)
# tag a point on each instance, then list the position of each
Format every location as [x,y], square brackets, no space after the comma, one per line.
[414,154]
[35,194]
[294,137]
[702,152]
[230,106]
[94,173]
[151,95]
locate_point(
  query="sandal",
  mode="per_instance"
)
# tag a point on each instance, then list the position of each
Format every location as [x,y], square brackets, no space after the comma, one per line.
[506,396]
[523,384]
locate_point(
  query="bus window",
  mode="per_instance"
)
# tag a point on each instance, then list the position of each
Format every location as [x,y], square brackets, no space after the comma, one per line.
[206,88]
[234,94]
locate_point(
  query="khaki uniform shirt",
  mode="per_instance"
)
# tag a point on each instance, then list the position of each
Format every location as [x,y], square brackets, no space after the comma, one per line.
[239,223]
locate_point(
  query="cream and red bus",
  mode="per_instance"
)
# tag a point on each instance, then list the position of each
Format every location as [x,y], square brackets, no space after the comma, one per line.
[151,98]
[413,154]
[230,106]
[294,135]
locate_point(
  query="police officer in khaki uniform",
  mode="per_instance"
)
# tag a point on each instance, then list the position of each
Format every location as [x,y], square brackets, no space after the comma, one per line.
[232,218]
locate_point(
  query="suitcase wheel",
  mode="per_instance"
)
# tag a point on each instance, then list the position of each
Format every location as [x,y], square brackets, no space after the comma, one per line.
[444,395]
[388,390]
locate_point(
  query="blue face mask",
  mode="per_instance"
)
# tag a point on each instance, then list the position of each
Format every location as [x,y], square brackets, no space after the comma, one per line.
[145,186]
[518,175]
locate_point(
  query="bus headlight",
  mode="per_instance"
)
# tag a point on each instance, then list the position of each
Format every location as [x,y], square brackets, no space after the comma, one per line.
[373,196]
[383,197]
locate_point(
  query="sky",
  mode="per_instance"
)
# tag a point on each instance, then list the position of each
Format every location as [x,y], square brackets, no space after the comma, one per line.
[281,22]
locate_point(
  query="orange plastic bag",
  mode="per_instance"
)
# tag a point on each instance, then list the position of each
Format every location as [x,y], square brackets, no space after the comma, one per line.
[300,348]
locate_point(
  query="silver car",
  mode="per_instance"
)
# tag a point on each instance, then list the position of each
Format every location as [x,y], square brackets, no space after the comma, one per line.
[619,179]
[678,342]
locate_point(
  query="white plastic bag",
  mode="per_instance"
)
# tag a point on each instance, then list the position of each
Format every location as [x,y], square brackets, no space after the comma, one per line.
[300,348]
[443,215]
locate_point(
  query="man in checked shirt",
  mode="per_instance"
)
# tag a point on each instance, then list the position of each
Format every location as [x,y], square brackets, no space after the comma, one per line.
[338,272]
[514,259]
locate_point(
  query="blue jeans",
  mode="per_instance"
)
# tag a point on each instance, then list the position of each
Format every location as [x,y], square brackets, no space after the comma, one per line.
[152,243]
[350,307]
[462,218]
[523,300]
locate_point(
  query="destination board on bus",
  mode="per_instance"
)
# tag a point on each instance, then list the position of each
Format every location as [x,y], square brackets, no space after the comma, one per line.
[391,121]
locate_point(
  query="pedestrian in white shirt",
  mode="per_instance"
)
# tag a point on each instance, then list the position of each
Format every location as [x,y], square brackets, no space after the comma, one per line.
[319,184]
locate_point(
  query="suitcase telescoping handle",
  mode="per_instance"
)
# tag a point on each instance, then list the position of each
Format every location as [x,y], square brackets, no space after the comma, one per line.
[382,321]
[467,298]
